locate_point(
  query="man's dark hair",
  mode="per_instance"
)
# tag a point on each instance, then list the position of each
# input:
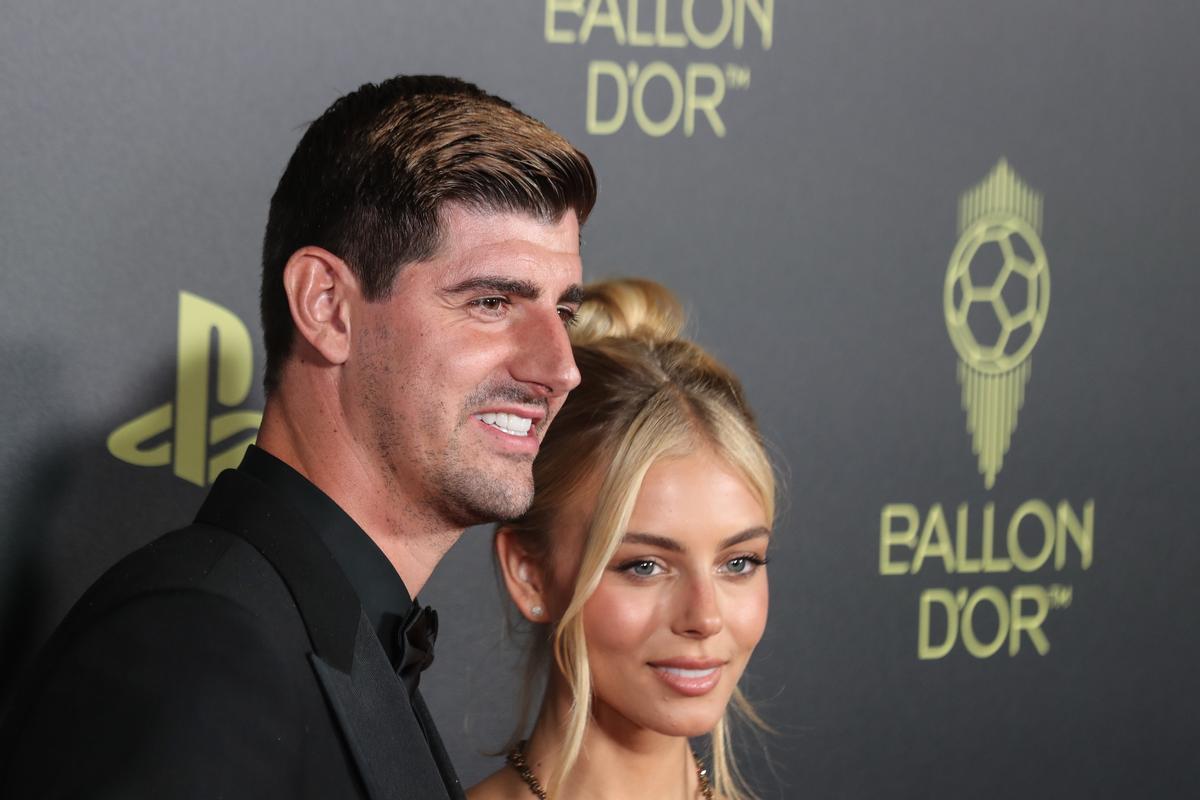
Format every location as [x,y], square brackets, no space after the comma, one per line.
[371,174]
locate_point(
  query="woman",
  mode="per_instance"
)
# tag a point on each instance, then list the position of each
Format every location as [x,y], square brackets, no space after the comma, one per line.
[641,564]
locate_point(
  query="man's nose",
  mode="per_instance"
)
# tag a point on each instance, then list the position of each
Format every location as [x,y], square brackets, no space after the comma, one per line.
[698,610]
[544,356]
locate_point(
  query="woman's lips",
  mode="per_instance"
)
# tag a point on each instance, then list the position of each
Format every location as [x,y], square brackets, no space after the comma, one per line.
[692,679]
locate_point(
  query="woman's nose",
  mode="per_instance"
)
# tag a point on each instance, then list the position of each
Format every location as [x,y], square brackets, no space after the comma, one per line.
[698,612]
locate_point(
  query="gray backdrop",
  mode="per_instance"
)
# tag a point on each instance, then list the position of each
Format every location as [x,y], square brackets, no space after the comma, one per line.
[140,143]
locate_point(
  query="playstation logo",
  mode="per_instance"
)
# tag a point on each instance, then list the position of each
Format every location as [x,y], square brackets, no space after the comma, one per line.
[184,433]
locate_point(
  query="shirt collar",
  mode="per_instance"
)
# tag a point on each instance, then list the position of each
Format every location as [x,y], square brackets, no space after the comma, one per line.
[384,597]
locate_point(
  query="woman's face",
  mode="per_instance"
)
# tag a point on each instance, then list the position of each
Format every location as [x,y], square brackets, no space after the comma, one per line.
[683,602]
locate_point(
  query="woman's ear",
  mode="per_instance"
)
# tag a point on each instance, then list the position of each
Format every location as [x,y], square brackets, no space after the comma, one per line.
[319,288]
[523,576]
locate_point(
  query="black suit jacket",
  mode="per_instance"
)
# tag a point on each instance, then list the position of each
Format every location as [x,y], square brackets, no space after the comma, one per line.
[229,659]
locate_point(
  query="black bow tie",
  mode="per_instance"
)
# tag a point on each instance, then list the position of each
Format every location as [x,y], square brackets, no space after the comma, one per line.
[415,640]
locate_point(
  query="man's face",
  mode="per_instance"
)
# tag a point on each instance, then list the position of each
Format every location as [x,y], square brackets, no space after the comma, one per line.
[456,375]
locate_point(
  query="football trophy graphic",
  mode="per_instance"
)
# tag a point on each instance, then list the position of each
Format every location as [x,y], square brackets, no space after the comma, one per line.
[996,298]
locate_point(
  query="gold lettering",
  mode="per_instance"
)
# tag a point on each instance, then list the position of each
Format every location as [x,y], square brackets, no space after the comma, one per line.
[965,565]
[1082,533]
[595,125]
[657,69]
[626,27]
[1030,624]
[935,528]
[553,8]
[927,651]
[661,37]
[889,536]
[763,13]
[1022,560]
[610,19]
[707,41]
[974,646]
[693,101]
[990,562]
[637,38]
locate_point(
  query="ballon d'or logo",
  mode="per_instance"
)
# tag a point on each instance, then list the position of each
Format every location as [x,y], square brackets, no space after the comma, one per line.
[996,296]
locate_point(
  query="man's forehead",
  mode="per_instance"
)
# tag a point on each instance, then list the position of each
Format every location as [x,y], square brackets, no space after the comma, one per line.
[519,246]
[470,226]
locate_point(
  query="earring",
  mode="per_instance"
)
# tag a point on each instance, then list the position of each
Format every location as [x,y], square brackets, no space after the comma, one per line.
[537,611]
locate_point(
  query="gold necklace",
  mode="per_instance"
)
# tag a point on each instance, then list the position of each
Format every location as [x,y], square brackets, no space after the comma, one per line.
[516,760]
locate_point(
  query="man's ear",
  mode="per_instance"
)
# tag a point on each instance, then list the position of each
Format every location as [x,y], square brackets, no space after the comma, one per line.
[524,576]
[319,288]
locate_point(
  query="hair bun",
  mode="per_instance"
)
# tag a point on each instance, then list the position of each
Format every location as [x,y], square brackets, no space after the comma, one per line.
[628,308]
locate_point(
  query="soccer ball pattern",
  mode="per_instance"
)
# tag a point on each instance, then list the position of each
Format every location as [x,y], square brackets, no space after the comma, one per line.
[997,293]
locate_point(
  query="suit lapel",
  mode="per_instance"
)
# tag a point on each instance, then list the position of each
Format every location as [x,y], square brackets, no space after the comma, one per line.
[245,506]
[385,737]
[368,698]
[440,756]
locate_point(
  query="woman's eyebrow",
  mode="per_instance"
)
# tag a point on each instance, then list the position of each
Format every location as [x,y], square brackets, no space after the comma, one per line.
[745,536]
[667,543]
[663,542]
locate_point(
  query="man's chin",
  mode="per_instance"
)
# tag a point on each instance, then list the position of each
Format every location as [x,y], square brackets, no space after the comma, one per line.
[478,498]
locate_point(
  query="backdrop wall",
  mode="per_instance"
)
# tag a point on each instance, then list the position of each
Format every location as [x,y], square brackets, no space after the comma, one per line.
[949,247]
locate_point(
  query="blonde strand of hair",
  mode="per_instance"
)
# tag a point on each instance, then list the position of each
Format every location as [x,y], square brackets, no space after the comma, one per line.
[571,655]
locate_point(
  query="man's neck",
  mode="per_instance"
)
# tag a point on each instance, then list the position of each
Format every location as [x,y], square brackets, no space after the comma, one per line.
[412,536]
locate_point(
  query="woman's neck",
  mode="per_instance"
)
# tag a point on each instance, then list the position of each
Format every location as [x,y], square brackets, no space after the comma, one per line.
[618,759]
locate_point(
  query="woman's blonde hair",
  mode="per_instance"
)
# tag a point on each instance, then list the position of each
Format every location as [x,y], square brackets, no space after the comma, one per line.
[646,394]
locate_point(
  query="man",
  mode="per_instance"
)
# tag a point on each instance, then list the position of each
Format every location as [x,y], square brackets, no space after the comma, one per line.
[420,262]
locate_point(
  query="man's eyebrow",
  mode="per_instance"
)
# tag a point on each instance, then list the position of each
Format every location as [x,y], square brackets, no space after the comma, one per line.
[526,290]
[573,295]
[667,543]
[496,283]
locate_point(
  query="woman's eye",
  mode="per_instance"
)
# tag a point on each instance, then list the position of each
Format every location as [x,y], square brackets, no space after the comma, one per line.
[642,568]
[743,565]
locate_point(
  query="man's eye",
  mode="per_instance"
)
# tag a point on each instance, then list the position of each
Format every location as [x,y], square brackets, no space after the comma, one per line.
[569,316]
[490,306]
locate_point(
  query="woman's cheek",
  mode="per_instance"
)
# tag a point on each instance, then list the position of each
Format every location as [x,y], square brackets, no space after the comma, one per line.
[747,614]
[619,617]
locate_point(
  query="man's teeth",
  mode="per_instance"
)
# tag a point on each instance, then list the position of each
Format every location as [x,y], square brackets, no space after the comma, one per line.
[509,423]
[689,673]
